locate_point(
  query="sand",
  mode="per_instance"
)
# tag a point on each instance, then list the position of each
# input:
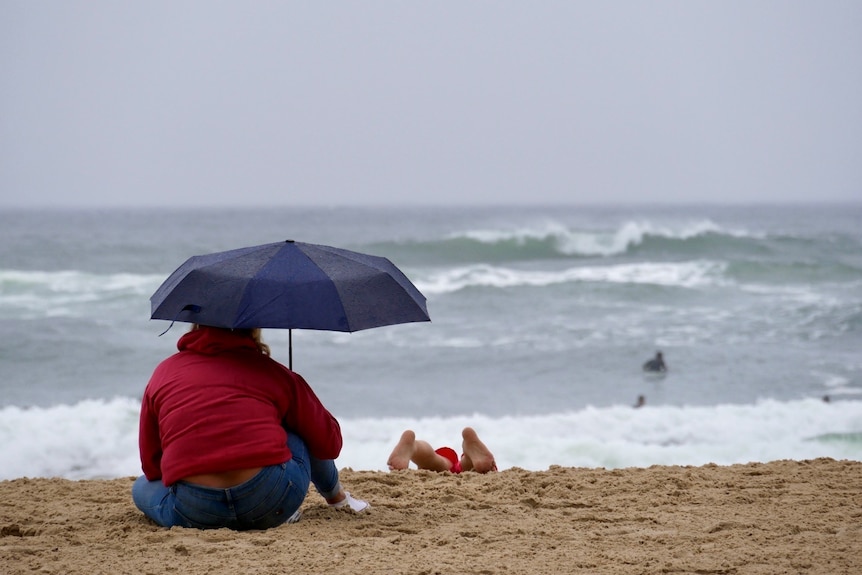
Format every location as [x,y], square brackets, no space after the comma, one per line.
[779,517]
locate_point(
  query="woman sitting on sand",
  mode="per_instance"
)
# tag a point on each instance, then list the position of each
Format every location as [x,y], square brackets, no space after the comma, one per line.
[231,438]
[475,457]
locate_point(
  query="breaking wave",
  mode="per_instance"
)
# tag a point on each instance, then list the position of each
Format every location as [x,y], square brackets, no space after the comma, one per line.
[98,438]
[554,241]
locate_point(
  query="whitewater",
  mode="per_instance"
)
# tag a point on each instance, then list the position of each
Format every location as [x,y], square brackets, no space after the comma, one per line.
[98,438]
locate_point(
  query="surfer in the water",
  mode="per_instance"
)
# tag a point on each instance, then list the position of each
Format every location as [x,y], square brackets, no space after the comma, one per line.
[656,364]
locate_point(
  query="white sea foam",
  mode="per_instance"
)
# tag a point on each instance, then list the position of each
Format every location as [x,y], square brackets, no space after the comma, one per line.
[98,439]
[68,293]
[682,274]
[79,294]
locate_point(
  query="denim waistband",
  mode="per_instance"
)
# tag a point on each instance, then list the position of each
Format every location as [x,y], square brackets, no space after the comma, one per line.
[234,493]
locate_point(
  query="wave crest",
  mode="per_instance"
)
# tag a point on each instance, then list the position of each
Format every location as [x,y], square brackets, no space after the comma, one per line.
[576,242]
[553,240]
[68,293]
[680,274]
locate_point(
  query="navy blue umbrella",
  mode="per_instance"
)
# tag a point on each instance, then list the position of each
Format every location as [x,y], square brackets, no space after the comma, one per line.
[289,285]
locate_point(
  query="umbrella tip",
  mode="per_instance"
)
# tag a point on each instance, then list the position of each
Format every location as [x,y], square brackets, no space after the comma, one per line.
[288,241]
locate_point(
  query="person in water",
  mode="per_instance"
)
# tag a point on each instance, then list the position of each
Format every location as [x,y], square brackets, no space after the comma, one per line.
[475,455]
[656,364]
[229,437]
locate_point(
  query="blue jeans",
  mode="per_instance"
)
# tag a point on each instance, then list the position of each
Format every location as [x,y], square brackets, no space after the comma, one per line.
[266,500]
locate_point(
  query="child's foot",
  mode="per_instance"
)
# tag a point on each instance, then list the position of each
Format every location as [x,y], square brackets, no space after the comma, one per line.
[400,458]
[477,453]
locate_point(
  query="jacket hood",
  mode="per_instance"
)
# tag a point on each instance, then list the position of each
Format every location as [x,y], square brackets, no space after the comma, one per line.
[215,340]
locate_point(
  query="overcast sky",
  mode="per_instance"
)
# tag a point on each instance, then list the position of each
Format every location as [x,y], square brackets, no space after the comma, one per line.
[284,103]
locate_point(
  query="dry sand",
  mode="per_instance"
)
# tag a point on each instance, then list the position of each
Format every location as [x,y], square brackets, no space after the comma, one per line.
[779,517]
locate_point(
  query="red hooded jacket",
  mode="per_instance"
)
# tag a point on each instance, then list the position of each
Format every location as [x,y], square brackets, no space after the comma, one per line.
[220,405]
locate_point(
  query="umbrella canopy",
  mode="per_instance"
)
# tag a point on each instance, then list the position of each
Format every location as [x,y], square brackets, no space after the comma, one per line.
[289,285]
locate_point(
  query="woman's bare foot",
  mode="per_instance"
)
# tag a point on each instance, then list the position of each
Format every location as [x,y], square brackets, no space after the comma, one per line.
[403,452]
[477,457]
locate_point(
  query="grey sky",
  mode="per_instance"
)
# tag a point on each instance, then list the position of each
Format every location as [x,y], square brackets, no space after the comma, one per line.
[217,103]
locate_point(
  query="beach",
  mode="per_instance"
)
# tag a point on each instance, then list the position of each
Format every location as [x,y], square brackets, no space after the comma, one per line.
[541,320]
[778,517]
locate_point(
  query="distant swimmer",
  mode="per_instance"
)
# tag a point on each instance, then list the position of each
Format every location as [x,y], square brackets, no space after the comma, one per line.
[641,402]
[656,364]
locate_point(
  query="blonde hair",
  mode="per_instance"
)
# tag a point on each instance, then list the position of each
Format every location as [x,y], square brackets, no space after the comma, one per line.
[254,333]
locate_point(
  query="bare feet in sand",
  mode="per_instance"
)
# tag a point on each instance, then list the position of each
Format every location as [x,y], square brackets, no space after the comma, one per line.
[477,457]
[403,452]
[419,452]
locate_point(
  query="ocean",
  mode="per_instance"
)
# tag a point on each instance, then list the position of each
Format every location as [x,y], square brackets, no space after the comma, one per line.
[541,320]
